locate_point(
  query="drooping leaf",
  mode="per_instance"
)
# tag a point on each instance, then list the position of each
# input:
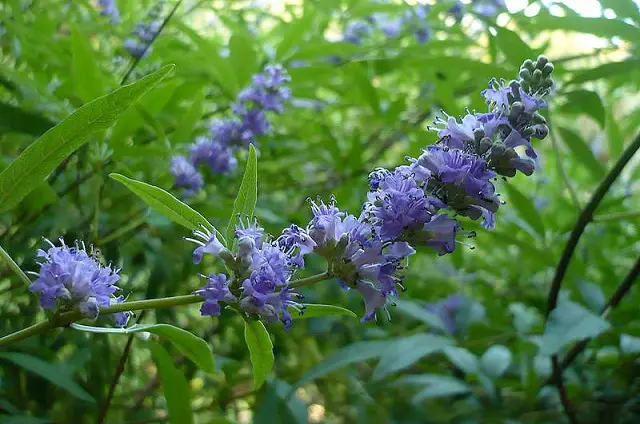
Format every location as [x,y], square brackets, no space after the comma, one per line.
[46,153]
[406,351]
[462,358]
[412,309]
[164,202]
[190,345]
[245,202]
[587,102]
[582,152]
[567,323]
[608,70]
[54,373]
[174,386]
[351,354]
[316,310]
[260,351]
[515,50]
[495,361]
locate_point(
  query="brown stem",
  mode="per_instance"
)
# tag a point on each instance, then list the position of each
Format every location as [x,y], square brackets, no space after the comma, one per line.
[564,399]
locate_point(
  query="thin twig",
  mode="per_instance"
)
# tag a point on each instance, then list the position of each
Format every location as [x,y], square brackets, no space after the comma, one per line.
[118,373]
[564,399]
[584,219]
[140,57]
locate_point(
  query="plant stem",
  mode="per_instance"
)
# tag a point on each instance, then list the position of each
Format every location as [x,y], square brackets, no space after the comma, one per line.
[616,216]
[303,282]
[564,399]
[14,266]
[69,317]
[584,219]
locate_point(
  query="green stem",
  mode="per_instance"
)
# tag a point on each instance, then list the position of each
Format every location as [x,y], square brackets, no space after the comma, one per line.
[14,267]
[583,220]
[303,282]
[38,328]
[616,216]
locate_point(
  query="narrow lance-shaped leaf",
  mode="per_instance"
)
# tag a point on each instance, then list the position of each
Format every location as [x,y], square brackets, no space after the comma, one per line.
[174,385]
[165,203]
[245,202]
[190,345]
[260,351]
[317,310]
[45,154]
[51,372]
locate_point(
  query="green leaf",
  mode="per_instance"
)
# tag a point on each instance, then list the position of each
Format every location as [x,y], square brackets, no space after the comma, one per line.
[526,209]
[582,153]
[245,202]
[190,120]
[614,135]
[164,203]
[592,295]
[515,50]
[190,345]
[585,101]
[13,119]
[406,351]
[524,317]
[260,351]
[85,73]
[243,58]
[313,310]
[462,358]
[23,419]
[567,323]
[600,27]
[495,361]
[293,35]
[623,8]
[436,386]
[412,309]
[356,352]
[46,153]
[279,404]
[174,385]
[54,373]
[608,70]
[629,344]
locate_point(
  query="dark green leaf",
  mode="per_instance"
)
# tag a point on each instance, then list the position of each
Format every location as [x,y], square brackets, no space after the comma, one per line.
[260,351]
[54,373]
[515,50]
[623,8]
[13,119]
[23,419]
[412,309]
[462,359]
[174,386]
[243,58]
[526,209]
[406,351]
[245,202]
[585,101]
[86,75]
[46,153]
[582,153]
[609,70]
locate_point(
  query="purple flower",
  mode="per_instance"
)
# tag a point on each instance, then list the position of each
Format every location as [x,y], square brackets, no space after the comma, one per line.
[397,205]
[417,21]
[136,49]
[390,27]
[355,31]
[456,11]
[325,226]
[297,243]
[218,156]
[254,124]
[109,8]
[488,8]
[440,234]
[214,291]
[186,175]
[207,242]
[459,136]
[268,90]
[251,230]
[373,300]
[69,277]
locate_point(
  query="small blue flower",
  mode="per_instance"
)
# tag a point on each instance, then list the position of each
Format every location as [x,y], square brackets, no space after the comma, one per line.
[136,49]
[109,8]
[70,277]
[355,31]
[186,175]
[297,243]
[216,155]
[268,90]
[250,229]
[440,234]
[216,290]
[326,223]
[373,301]
[457,11]
[488,8]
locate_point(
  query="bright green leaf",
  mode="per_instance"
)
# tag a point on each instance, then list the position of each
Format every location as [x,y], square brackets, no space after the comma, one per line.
[245,202]
[582,152]
[165,203]
[260,351]
[526,209]
[243,58]
[313,310]
[585,101]
[85,72]
[54,373]
[607,70]
[293,34]
[174,386]
[46,153]
[190,345]
[515,50]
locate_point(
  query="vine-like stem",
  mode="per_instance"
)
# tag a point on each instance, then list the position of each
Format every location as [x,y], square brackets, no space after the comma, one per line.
[584,219]
[67,318]
[303,282]
[564,399]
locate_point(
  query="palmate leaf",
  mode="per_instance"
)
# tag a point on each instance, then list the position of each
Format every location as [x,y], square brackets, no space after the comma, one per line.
[39,159]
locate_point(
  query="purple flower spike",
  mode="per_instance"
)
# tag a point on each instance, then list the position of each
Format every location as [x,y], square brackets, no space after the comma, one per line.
[186,175]
[207,243]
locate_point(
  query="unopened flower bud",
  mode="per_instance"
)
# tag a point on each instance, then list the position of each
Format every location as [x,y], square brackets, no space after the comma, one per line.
[548,69]
[525,74]
[528,64]
[485,145]
[537,75]
[541,61]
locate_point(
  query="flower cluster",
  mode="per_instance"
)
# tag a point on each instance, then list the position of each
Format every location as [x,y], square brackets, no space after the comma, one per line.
[413,20]
[261,270]
[216,150]
[413,205]
[143,34]
[70,277]
[109,8]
